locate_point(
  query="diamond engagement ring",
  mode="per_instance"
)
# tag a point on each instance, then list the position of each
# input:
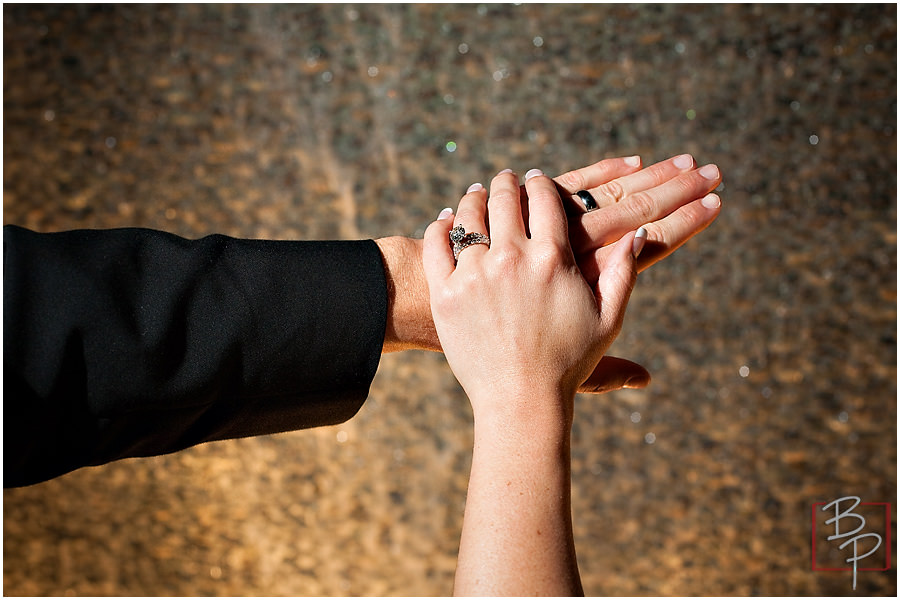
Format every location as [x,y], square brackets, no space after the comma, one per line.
[460,240]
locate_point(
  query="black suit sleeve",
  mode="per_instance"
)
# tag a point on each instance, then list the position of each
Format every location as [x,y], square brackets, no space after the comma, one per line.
[133,342]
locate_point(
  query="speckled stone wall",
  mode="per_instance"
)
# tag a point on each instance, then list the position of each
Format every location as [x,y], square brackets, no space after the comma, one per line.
[771,337]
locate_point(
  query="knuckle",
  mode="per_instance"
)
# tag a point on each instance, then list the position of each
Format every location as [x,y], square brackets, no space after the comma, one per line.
[549,258]
[545,194]
[611,191]
[505,260]
[684,186]
[658,175]
[468,289]
[468,219]
[443,300]
[503,196]
[692,186]
[642,206]
[571,181]
[553,253]
[542,201]
[449,300]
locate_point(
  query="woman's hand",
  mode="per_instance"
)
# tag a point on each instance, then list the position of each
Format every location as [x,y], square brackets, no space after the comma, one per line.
[521,329]
[519,315]
[673,197]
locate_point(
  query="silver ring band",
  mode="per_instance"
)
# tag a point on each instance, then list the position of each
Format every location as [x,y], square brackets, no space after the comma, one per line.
[460,240]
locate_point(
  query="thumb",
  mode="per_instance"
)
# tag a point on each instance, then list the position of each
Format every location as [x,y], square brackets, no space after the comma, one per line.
[617,279]
[612,374]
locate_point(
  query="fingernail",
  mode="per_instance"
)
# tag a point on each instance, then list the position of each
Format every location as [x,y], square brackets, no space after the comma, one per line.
[637,382]
[475,187]
[445,214]
[685,161]
[504,171]
[710,171]
[533,173]
[640,237]
[633,161]
[711,201]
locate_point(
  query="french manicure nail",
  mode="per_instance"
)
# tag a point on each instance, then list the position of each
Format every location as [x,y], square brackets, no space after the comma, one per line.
[710,171]
[533,173]
[640,237]
[504,171]
[633,161]
[445,214]
[685,161]
[711,201]
[475,187]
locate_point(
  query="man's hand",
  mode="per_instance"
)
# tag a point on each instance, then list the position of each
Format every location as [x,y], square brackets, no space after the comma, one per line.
[671,198]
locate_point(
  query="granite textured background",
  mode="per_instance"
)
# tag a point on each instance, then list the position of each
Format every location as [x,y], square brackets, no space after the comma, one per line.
[771,336]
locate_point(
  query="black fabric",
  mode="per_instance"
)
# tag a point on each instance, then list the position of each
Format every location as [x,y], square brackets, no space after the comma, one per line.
[133,342]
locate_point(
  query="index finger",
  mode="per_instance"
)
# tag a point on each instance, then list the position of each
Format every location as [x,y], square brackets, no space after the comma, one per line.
[587,178]
[596,174]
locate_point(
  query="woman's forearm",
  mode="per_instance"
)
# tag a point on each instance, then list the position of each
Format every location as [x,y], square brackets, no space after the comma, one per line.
[521,328]
[517,532]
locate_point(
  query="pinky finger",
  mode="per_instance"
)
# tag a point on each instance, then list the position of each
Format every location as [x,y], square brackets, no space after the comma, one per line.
[670,233]
[663,237]
[437,257]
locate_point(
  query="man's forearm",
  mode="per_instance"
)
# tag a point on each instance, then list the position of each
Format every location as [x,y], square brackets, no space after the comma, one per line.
[133,342]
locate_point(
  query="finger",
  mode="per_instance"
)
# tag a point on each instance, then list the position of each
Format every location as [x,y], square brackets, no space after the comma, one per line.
[472,217]
[663,237]
[615,190]
[591,177]
[505,214]
[586,178]
[612,374]
[472,211]
[603,226]
[613,288]
[504,199]
[437,256]
[667,235]
[596,174]
[546,217]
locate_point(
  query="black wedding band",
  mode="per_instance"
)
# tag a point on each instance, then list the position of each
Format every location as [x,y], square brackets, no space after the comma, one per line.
[588,200]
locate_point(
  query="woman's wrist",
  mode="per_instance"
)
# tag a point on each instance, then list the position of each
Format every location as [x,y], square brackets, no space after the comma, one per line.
[521,414]
[517,534]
